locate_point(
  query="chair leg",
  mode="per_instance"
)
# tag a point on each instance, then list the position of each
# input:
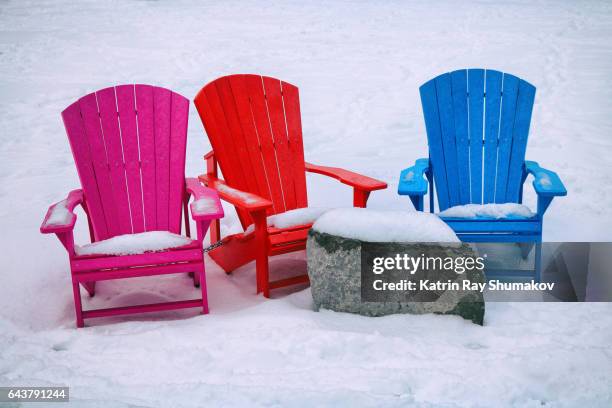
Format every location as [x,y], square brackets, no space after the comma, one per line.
[202,276]
[90,287]
[78,308]
[525,248]
[263,274]
[261,257]
[196,279]
[538,262]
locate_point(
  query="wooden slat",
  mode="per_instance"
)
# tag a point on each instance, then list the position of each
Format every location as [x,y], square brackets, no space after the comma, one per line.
[291,103]
[188,253]
[249,134]
[294,280]
[276,114]
[162,105]
[178,145]
[476,106]
[492,111]
[213,130]
[508,112]
[434,137]
[146,140]
[447,127]
[126,272]
[262,125]
[522,120]
[287,237]
[91,120]
[148,308]
[75,129]
[223,144]
[107,105]
[235,139]
[129,136]
[460,111]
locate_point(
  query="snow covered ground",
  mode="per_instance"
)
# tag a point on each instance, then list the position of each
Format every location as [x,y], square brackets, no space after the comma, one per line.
[358,66]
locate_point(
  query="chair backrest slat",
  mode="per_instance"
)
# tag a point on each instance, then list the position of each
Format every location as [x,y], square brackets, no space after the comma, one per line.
[447,127]
[434,136]
[129,144]
[254,127]
[522,121]
[477,124]
[146,139]
[508,110]
[459,90]
[75,128]
[126,106]
[493,89]
[97,149]
[107,106]
[291,103]
[475,118]
[162,105]
[261,119]
[178,146]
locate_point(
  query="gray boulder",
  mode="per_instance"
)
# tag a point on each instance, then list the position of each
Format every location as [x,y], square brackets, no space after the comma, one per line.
[335,271]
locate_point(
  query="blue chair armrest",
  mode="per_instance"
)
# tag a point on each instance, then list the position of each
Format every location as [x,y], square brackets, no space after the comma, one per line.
[412,180]
[546,183]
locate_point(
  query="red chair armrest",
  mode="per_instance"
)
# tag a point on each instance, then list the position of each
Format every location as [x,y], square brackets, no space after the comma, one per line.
[348,177]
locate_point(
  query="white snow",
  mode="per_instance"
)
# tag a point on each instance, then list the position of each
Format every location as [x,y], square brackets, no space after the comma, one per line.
[544,180]
[385,226]
[248,198]
[205,205]
[409,176]
[496,211]
[130,244]
[358,67]
[59,215]
[292,218]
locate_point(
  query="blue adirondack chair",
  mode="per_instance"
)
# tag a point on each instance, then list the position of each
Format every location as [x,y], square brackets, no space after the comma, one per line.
[477,123]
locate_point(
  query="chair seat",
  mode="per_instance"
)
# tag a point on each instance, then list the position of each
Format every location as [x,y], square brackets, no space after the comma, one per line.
[133,244]
[277,236]
[483,230]
[502,211]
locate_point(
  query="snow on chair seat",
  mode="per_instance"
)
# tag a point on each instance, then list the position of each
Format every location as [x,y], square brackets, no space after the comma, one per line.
[131,244]
[488,211]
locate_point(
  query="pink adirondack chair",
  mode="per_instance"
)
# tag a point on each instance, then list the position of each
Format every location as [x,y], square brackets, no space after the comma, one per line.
[129,144]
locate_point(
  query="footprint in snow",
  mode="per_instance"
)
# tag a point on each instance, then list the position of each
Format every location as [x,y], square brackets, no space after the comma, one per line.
[475,346]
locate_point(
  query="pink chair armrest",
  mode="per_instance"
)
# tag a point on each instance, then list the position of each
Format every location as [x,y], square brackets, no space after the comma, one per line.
[53,222]
[241,199]
[206,204]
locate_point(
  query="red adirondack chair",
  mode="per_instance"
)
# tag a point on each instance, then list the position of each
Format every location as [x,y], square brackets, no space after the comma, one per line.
[128,144]
[254,126]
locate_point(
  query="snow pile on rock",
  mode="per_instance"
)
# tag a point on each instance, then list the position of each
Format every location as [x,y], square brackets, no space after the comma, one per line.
[130,244]
[497,211]
[385,226]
